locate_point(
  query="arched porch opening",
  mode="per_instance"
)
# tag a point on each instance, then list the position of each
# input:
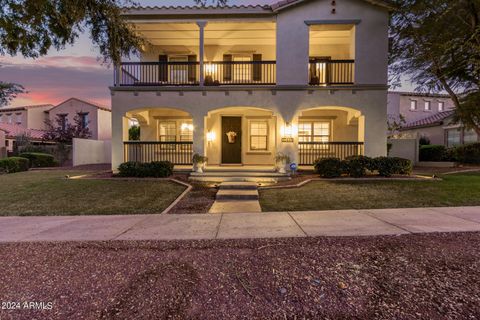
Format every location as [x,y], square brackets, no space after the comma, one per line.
[241,135]
[329,131]
[166,134]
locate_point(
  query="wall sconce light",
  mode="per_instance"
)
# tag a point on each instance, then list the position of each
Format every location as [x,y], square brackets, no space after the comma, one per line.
[287,132]
[210,136]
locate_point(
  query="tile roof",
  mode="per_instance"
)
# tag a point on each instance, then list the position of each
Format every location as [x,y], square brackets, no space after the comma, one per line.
[14,130]
[92,103]
[433,120]
[3,109]
[286,3]
[420,94]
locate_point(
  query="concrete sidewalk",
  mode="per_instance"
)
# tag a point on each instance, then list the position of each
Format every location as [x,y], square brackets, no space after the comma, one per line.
[240,225]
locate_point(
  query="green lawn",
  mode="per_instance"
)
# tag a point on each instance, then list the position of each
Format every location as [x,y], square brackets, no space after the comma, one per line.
[455,190]
[49,193]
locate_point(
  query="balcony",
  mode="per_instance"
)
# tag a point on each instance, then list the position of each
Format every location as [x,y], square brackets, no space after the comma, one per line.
[188,73]
[331,72]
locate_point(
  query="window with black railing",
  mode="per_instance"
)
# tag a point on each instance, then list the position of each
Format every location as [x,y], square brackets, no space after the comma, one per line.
[331,72]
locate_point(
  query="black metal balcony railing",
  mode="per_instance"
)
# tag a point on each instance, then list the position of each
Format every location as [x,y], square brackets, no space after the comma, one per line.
[188,73]
[309,152]
[179,153]
[328,72]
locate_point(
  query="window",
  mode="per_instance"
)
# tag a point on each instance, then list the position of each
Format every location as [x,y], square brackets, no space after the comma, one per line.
[314,131]
[469,136]
[242,72]
[259,135]
[167,131]
[9,118]
[84,119]
[441,106]
[63,121]
[178,72]
[453,137]
[19,118]
[428,106]
[186,131]
[413,104]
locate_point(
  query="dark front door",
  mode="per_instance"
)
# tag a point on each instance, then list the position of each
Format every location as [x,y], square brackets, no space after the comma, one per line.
[232,140]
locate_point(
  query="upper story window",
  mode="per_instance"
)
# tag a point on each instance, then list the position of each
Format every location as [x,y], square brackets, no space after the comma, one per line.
[19,118]
[441,106]
[9,118]
[413,104]
[63,121]
[84,119]
[428,105]
[259,135]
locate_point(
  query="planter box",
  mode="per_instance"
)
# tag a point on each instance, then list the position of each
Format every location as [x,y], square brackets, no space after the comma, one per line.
[437,164]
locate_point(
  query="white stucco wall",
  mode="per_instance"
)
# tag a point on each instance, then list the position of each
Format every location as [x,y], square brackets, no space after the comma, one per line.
[86,151]
[104,122]
[405,148]
[371,42]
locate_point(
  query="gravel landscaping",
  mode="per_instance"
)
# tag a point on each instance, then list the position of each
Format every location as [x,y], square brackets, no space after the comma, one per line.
[434,276]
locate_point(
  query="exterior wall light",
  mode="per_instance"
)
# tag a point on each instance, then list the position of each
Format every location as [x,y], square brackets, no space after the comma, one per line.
[187,126]
[210,136]
[288,131]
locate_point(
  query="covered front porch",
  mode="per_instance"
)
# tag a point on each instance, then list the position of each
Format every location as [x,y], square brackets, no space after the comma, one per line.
[243,138]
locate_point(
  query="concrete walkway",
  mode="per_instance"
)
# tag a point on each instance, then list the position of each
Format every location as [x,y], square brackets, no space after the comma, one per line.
[240,225]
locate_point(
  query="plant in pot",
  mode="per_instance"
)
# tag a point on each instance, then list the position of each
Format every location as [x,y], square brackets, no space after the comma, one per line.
[282,160]
[199,162]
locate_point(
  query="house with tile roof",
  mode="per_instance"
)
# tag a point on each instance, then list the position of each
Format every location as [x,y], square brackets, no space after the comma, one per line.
[241,84]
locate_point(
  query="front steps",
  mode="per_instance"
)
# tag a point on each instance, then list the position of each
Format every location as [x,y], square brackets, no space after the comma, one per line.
[235,197]
[217,175]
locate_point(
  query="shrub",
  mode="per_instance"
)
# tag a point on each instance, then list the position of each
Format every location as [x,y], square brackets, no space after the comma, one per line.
[14,164]
[468,153]
[433,152]
[423,141]
[155,169]
[387,166]
[38,160]
[329,167]
[356,166]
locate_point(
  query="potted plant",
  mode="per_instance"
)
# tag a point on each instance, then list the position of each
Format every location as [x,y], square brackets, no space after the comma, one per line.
[282,160]
[199,162]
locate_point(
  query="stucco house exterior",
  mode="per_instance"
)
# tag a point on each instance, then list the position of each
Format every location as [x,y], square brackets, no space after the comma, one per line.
[96,117]
[415,106]
[240,84]
[3,147]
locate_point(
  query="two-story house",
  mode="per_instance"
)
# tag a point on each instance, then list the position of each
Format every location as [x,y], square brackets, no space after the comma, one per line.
[240,84]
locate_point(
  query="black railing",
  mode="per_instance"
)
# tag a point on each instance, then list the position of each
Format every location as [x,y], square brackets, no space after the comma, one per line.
[328,72]
[309,152]
[188,73]
[238,73]
[179,153]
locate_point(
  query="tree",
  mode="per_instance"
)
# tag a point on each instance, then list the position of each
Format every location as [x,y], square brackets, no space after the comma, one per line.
[63,132]
[33,27]
[394,125]
[134,133]
[437,44]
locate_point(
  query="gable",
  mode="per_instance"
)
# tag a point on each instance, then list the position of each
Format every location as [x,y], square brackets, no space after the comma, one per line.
[285,4]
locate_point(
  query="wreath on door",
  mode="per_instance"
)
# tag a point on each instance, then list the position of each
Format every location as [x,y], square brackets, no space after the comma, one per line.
[231,135]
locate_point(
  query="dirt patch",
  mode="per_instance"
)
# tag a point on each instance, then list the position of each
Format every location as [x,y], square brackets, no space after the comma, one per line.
[198,200]
[428,276]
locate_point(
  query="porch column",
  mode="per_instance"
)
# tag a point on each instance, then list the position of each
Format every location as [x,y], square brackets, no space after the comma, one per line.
[119,135]
[201,25]
[199,133]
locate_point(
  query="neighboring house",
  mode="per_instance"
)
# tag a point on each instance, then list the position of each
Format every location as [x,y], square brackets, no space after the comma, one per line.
[12,131]
[96,117]
[29,117]
[440,129]
[416,106]
[240,84]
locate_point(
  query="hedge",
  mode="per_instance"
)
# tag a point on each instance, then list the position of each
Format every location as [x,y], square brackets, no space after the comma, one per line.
[14,164]
[329,167]
[468,153]
[155,169]
[433,152]
[357,166]
[38,160]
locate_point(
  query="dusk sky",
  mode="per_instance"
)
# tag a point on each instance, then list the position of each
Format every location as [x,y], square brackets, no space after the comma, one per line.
[76,71]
